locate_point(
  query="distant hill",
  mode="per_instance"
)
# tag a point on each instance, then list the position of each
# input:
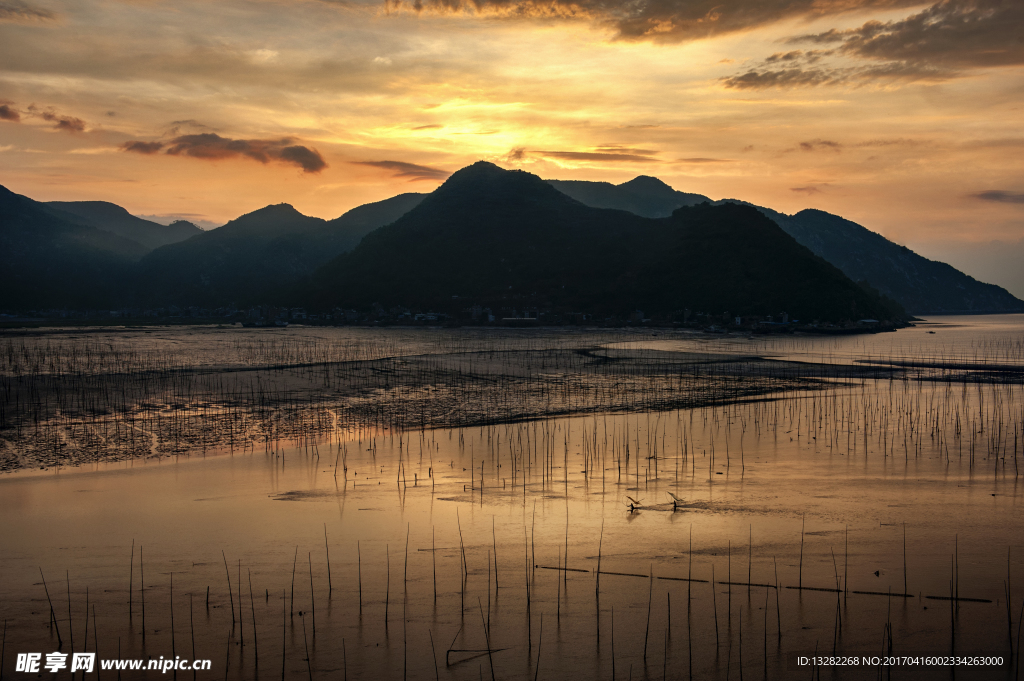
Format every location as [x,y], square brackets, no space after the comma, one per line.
[113,218]
[361,220]
[643,195]
[920,285]
[49,258]
[258,257]
[509,239]
[252,258]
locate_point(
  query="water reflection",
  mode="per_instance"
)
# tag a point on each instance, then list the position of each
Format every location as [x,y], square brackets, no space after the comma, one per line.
[382,552]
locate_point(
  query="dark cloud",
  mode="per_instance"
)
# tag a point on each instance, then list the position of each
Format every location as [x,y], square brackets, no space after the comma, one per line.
[956,34]
[67,123]
[213,147]
[818,145]
[784,56]
[810,189]
[140,147]
[999,196]
[703,160]
[657,20]
[809,76]
[410,170]
[515,155]
[938,43]
[595,156]
[60,121]
[795,77]
[9,113]
[799,56]
[13,10]
[433,126]
[308,159]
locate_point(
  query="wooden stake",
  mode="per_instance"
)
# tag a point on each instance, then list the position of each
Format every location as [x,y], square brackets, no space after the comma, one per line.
[312,595]
[226,572]
[255,638]
[800,577]
[327,548]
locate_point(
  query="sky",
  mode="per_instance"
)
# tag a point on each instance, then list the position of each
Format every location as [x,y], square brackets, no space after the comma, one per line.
[902,116]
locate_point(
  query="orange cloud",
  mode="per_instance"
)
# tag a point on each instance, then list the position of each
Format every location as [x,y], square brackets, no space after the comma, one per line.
[408,170]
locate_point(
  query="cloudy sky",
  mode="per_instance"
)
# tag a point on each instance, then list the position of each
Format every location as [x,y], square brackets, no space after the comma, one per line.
[903,116]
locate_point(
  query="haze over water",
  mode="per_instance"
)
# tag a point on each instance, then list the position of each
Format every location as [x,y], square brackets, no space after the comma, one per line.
[790,474]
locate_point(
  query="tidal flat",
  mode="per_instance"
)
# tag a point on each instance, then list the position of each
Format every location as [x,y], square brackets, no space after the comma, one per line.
[514,504]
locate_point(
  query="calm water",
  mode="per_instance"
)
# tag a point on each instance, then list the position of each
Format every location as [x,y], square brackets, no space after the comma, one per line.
[865,487]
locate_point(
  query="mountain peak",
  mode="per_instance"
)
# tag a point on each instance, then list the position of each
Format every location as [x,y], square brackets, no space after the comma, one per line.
[645,184]
[485,183]
[185,224]
[273,213]
[482,167]
[481,171]
[93,209]
[268,222]
[274,209]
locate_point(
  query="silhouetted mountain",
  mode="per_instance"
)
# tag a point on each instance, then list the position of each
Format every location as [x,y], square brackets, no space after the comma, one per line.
[113,218]
[49,259]
[643,195]
[920,285]
[251,258]
[492,229]
[260,256]
[361,220]
[509,239]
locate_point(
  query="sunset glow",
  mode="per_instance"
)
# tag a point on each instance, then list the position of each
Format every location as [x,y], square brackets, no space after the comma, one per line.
[902,116]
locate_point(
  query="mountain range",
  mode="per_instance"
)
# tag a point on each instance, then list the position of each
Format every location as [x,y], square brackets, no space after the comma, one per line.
[507,239]
[96,254]
[643,195]
[260,257]
[921,285]
[50,257]
[111,217]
